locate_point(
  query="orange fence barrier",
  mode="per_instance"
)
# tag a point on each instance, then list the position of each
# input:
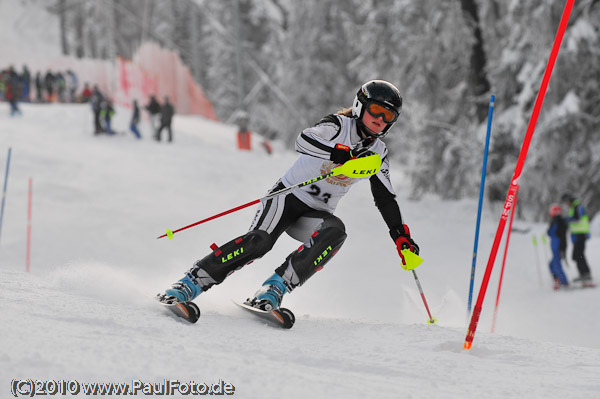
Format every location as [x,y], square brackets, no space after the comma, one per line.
[153,70]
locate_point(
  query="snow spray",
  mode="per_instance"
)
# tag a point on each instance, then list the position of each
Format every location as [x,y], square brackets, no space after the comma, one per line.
[481,189]
[514,186]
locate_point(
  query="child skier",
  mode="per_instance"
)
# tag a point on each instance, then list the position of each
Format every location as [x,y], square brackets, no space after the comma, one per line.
[307,213]
[558,242]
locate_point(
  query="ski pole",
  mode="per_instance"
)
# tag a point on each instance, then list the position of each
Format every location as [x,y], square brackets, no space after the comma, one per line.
[545,246]
[357,167]
[412,261]
[537,260]
[431,319]
[5,183]
[28,255]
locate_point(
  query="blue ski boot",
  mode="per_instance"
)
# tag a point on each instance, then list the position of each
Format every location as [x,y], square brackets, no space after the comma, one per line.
[185,290]
[269,296]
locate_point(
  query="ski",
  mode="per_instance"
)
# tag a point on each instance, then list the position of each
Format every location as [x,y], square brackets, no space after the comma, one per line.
[588,285]
[574,286]
[188,311]
[282,317]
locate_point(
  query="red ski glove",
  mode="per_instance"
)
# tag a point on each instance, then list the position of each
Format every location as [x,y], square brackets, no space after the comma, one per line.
[404,241]
[341,153]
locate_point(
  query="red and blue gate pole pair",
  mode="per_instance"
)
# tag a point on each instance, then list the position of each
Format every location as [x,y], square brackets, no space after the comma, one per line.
[481,189]
[514,185]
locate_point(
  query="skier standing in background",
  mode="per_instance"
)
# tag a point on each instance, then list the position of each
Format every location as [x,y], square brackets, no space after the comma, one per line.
[106,115]
[153,108]
[306,214]
[26,84]
[96,101]
[49,82]
[579,225]
[13,91]
[39,88]
[558,243]
[72,83]
[166,117]
[135,119]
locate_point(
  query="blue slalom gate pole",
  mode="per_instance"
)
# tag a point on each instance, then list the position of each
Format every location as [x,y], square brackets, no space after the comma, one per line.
[481,188]
[4,191]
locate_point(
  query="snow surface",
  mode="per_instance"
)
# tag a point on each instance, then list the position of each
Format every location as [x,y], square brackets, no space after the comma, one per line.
[86,310]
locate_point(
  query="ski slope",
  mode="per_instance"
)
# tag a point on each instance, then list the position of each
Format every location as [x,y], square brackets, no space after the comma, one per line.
[86,311]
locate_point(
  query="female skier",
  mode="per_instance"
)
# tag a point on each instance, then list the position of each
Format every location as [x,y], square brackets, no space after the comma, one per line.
[306,214]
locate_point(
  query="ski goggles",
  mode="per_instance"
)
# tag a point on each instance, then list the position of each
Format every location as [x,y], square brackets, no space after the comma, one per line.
[377,110]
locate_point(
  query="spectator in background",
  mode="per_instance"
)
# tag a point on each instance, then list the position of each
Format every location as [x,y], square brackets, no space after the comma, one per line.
[96,101]
[49,82]
[558,243]
[106,115]
[86,94]
[26,84]
[61,86]
[72,85]
[153,109]
[244,135]
[39,88]
[135,119]
[579,225]
[3,82]
[166,116]
[13,91]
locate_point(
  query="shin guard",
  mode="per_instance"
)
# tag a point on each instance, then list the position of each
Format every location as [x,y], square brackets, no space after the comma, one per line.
[224,260]
[313,254]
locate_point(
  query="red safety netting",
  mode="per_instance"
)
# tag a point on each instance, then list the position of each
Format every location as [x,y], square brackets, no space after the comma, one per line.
[153,70]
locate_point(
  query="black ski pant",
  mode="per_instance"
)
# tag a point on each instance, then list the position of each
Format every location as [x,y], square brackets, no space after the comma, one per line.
[579,255]
[160,129]
[321,233]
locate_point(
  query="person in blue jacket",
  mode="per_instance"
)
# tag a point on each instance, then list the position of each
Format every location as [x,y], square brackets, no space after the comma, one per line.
[558,242]
[135,119]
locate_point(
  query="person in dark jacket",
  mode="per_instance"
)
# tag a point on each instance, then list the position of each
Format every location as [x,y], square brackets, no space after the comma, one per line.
[13,91]
[39,88]
[166,116]
[153,108]
[49,82]
[106,115]
[135,119]
[25,84]
[96,102]
[558,242]
[579,225]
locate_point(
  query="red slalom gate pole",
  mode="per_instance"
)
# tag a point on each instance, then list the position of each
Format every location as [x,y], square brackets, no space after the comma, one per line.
[514,186]
[28,256]
[512,215]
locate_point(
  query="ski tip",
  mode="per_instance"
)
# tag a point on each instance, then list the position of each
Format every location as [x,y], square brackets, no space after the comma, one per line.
[288,318]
